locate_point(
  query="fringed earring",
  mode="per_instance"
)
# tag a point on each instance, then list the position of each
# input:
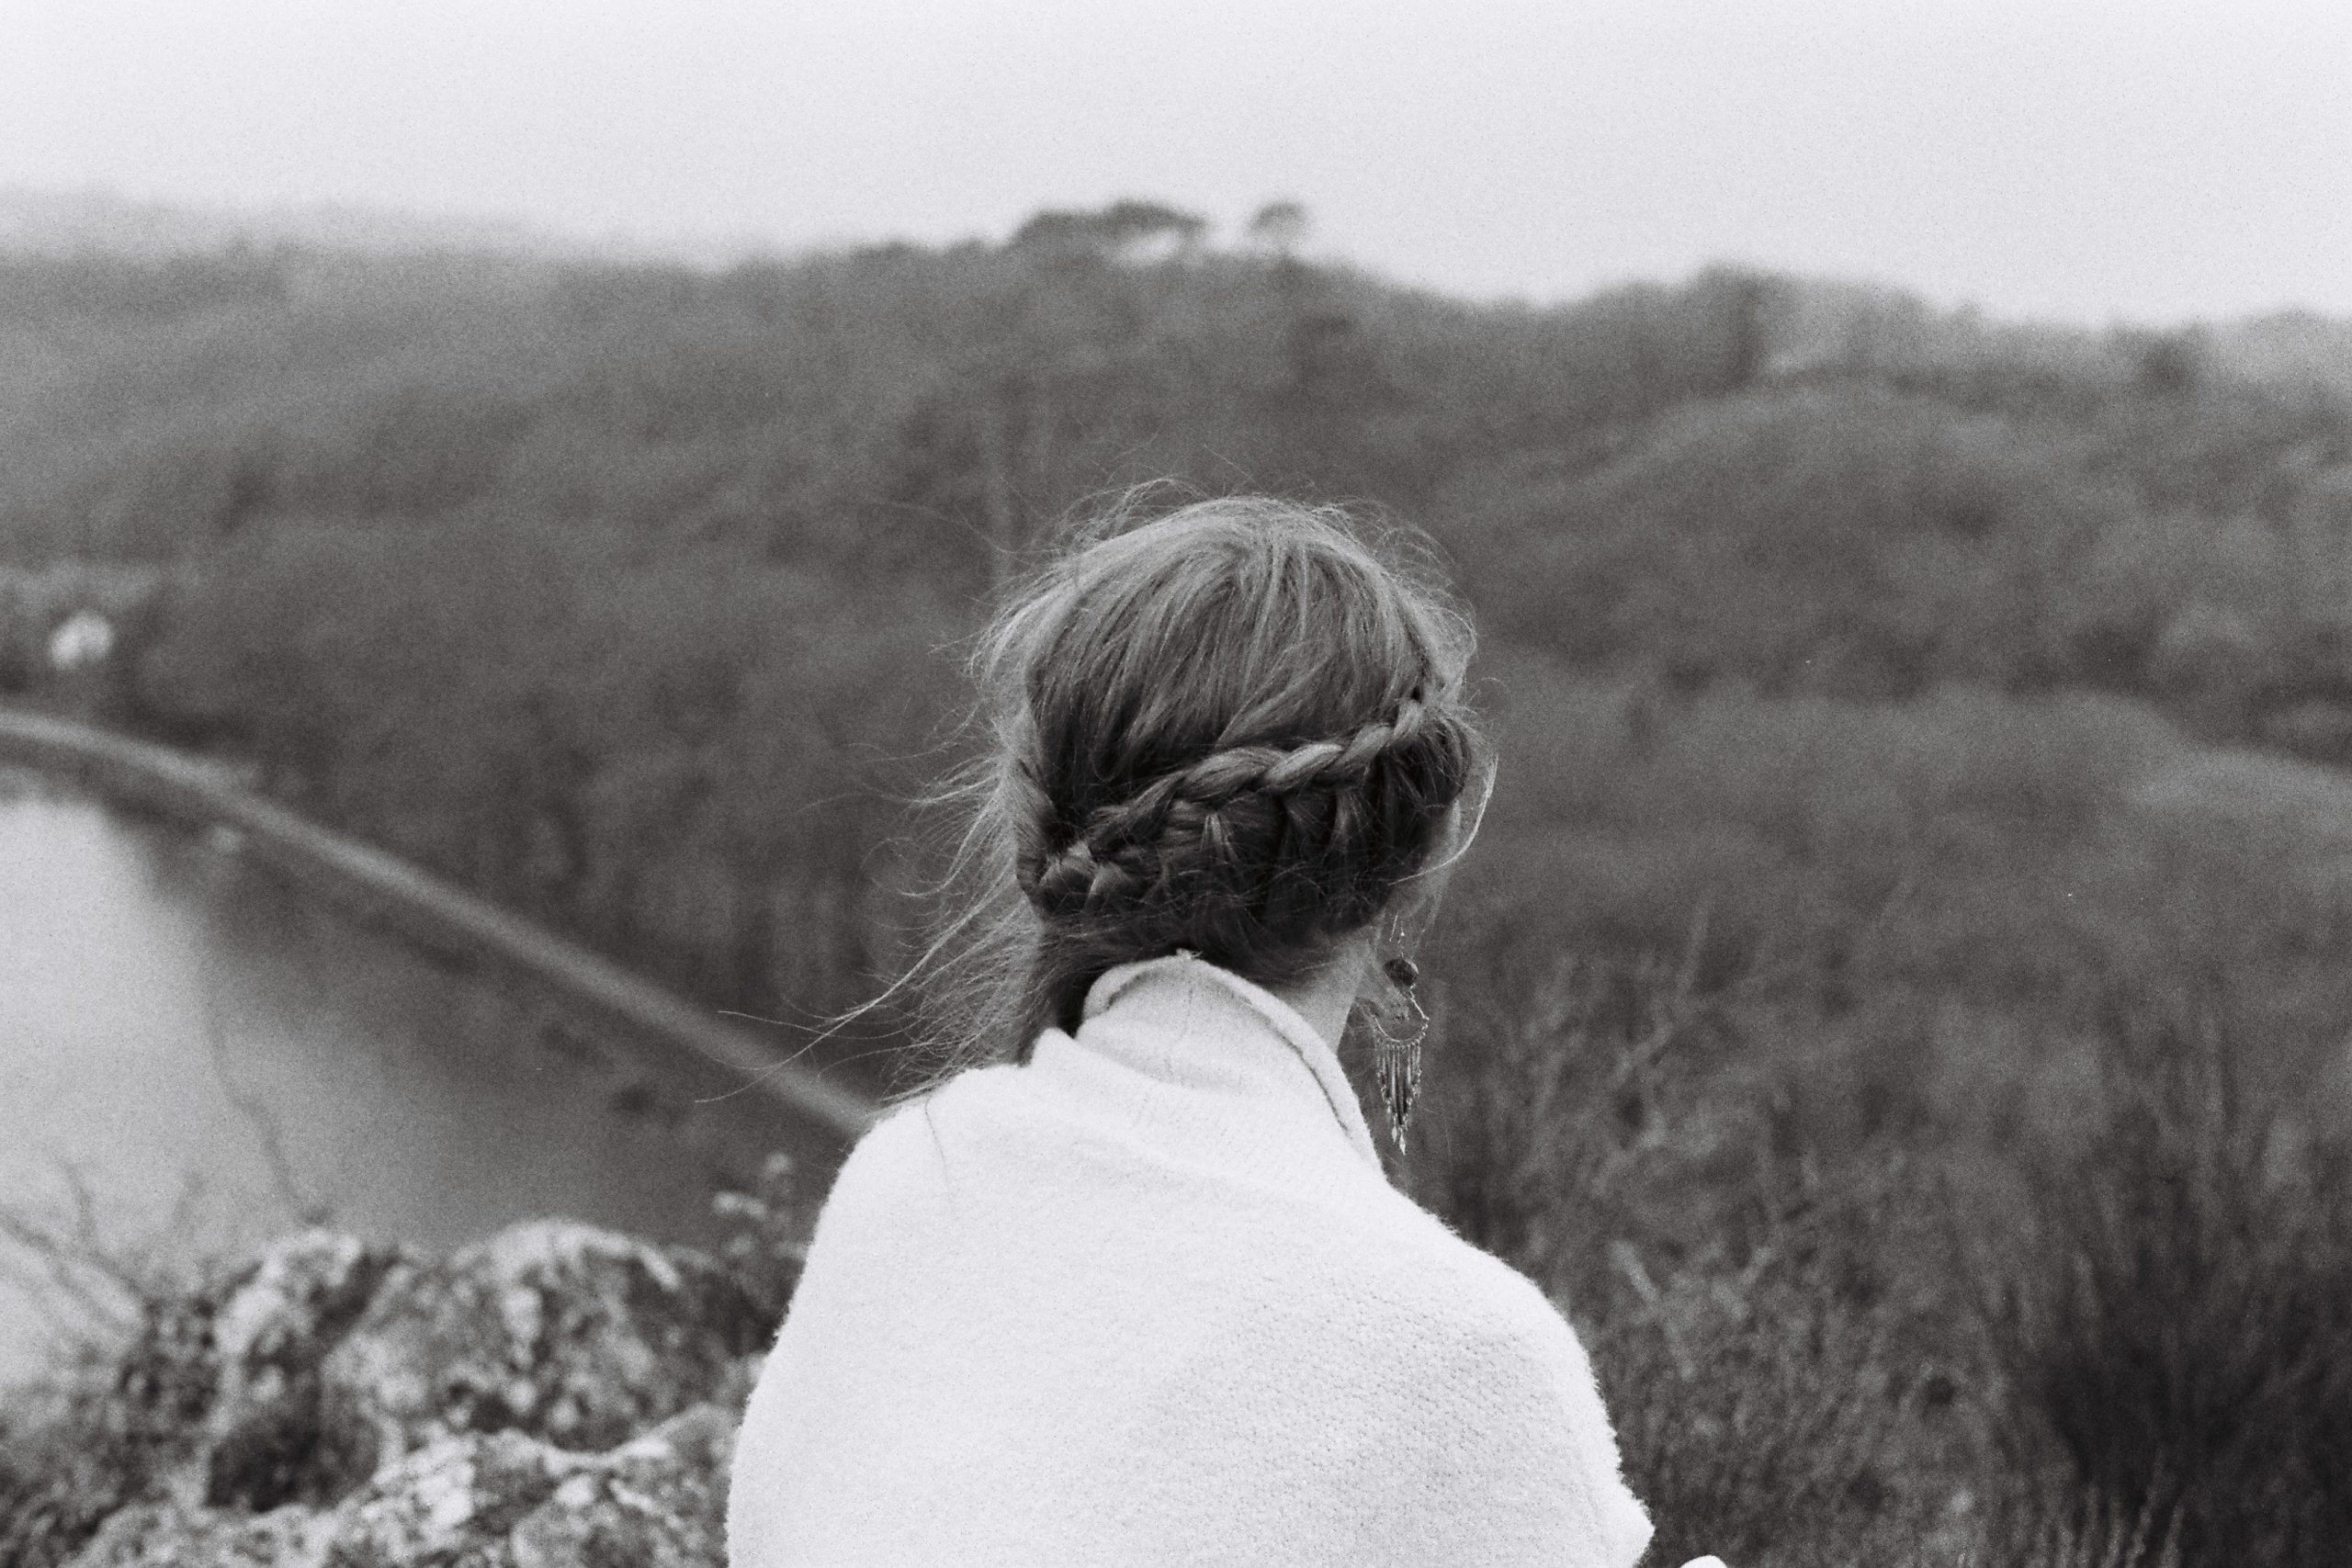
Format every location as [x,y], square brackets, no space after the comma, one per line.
[1397,1057]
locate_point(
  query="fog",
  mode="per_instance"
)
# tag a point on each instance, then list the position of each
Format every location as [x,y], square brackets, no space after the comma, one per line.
[2148,162]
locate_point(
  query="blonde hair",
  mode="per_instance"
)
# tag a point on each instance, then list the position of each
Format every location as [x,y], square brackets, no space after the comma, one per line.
[1237,729]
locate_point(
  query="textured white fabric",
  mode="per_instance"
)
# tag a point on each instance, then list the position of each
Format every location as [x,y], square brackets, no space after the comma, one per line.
[1150,1300]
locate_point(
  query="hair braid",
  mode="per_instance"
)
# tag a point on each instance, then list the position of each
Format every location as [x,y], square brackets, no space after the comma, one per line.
[1124,847]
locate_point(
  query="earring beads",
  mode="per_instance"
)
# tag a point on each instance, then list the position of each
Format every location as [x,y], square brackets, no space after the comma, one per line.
[1397,1057]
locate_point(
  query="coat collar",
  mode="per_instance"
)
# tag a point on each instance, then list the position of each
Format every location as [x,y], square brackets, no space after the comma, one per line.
[1188,1023]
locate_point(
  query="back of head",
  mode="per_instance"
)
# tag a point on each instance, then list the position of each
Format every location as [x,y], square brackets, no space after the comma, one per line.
[1238,729]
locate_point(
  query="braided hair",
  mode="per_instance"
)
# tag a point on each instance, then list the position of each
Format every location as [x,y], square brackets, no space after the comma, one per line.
[1238,729]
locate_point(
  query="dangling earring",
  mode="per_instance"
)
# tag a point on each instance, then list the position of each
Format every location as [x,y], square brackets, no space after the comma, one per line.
[1396,1058]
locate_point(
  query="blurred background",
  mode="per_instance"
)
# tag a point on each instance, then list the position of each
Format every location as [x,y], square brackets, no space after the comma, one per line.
[1901,462]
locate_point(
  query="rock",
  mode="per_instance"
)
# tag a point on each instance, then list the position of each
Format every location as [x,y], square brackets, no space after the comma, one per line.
[657,1502]
[557,1394]
[570,1334]
[272,1330]
[453,1501]
[497,1500]
[174,1535]
[283,1313]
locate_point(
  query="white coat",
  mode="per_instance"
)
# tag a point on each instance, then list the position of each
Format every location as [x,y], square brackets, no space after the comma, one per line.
[1149,1298]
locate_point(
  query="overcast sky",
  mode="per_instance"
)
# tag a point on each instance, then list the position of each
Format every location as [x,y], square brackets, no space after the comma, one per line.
[2081,158]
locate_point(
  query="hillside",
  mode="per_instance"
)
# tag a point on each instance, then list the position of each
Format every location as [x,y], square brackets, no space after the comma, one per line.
[1859,669]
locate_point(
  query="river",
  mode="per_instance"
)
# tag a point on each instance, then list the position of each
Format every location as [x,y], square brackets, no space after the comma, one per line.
[209,1053]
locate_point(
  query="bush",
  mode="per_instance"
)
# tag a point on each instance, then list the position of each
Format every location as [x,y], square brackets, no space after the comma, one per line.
[104,1429]
[1769,1411]
[2173,1311]
[1765,1329]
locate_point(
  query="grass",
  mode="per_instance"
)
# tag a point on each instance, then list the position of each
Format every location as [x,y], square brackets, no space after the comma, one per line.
[2114,1334]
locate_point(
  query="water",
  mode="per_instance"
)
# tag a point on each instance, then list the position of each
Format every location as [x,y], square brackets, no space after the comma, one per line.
[208,1054]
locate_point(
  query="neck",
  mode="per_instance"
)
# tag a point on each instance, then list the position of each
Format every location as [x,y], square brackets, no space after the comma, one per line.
[1326,998]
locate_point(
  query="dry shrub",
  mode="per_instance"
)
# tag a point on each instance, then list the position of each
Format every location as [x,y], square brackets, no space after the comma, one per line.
[2121,1338]
[131,1371]
[768,1229]
[1604,1123]
[1548,1104]
[102,1432]
[1778,1411]
[2171,1304]
[2059,1524]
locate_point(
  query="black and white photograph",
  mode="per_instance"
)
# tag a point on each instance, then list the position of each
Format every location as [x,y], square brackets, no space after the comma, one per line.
[1307,784]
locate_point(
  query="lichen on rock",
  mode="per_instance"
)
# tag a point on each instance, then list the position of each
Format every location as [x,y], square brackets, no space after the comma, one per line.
[266,1442]
[659,1500]
[555,1394]
[576,1336]
[175,1535]
[453,1501]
